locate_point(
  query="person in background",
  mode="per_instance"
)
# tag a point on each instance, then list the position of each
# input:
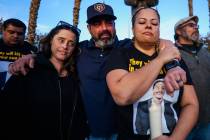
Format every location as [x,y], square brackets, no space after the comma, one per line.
[12,46]
[197,58]
[131,72]
[46,103]
[99,105]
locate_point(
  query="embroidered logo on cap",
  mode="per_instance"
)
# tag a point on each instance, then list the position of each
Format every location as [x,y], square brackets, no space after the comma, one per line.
[99,7]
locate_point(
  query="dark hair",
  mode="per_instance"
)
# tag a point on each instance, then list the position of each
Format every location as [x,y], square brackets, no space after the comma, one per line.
[45,45]
[141,8]
[14,22]
[157,81]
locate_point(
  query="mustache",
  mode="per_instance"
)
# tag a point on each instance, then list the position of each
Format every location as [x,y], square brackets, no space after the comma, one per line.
[196,32]
[105,32]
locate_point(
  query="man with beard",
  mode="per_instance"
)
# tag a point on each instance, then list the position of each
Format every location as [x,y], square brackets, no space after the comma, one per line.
[99,105]
[197,58]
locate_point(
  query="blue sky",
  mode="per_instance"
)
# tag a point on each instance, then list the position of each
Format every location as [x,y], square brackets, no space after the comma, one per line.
[52,11]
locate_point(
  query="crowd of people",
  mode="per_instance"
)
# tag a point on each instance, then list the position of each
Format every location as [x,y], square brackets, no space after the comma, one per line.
[101,89]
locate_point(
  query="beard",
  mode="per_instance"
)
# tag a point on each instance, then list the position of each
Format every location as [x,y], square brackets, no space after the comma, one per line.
[193,37]
[104,42]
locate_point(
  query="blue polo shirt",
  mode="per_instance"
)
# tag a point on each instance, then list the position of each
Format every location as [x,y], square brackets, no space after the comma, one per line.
[100,108]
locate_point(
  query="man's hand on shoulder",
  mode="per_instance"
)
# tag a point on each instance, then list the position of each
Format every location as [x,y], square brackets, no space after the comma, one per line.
[22,65]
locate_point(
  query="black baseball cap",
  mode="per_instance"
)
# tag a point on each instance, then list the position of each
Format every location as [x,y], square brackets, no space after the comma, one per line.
[98,10]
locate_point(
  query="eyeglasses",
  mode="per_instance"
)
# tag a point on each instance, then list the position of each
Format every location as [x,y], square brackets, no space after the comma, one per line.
[72,27]
[192,25]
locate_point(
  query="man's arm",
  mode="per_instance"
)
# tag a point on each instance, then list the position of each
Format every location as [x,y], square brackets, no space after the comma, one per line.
[22,65]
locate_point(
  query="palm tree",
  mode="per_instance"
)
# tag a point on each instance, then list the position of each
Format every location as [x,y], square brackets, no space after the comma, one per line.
[190,5]
[76,12]
[33,20]
[140,3]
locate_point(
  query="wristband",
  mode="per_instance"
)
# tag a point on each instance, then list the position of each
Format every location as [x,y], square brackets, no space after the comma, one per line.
[172,64]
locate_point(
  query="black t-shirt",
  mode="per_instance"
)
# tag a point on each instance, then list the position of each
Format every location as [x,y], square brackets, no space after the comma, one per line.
[134,119]
[9,54]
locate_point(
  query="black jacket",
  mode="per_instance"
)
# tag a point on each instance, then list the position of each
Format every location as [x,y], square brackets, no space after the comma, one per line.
[43,106]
